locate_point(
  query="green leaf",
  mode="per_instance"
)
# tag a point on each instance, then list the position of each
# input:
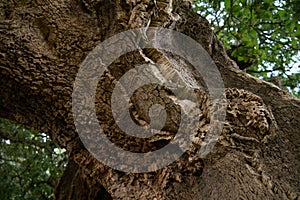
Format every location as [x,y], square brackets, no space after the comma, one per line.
[227,4]
[253,34]
[241,58]
[236,8]
[263,31]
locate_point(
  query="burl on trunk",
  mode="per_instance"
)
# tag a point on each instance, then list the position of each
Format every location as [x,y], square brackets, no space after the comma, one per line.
[42,46]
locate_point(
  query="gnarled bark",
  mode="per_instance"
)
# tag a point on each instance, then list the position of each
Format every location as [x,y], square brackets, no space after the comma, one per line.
[42,46]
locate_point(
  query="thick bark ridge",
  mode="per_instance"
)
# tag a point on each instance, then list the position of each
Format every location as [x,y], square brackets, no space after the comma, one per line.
[41,48]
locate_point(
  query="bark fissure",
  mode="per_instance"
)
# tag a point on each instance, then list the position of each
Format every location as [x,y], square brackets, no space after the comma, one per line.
[41,48]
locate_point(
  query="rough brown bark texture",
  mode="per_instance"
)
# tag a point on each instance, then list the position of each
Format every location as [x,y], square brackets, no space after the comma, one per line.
[42,44]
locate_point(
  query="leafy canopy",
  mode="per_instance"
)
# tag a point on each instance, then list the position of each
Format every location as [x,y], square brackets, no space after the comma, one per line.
[30,163]
[262,36]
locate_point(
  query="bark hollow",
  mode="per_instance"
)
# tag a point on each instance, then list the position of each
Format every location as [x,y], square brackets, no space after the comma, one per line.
[42,46]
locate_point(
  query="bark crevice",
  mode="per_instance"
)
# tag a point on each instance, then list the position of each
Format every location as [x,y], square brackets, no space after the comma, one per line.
[42,46]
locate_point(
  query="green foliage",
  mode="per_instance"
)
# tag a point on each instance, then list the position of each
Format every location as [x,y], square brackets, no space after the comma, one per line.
[30,163]
[263,35]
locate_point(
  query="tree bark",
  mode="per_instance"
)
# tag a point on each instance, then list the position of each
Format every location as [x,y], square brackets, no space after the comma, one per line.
[43,44]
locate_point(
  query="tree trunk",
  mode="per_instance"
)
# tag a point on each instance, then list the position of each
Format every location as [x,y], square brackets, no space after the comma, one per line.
[43,44]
